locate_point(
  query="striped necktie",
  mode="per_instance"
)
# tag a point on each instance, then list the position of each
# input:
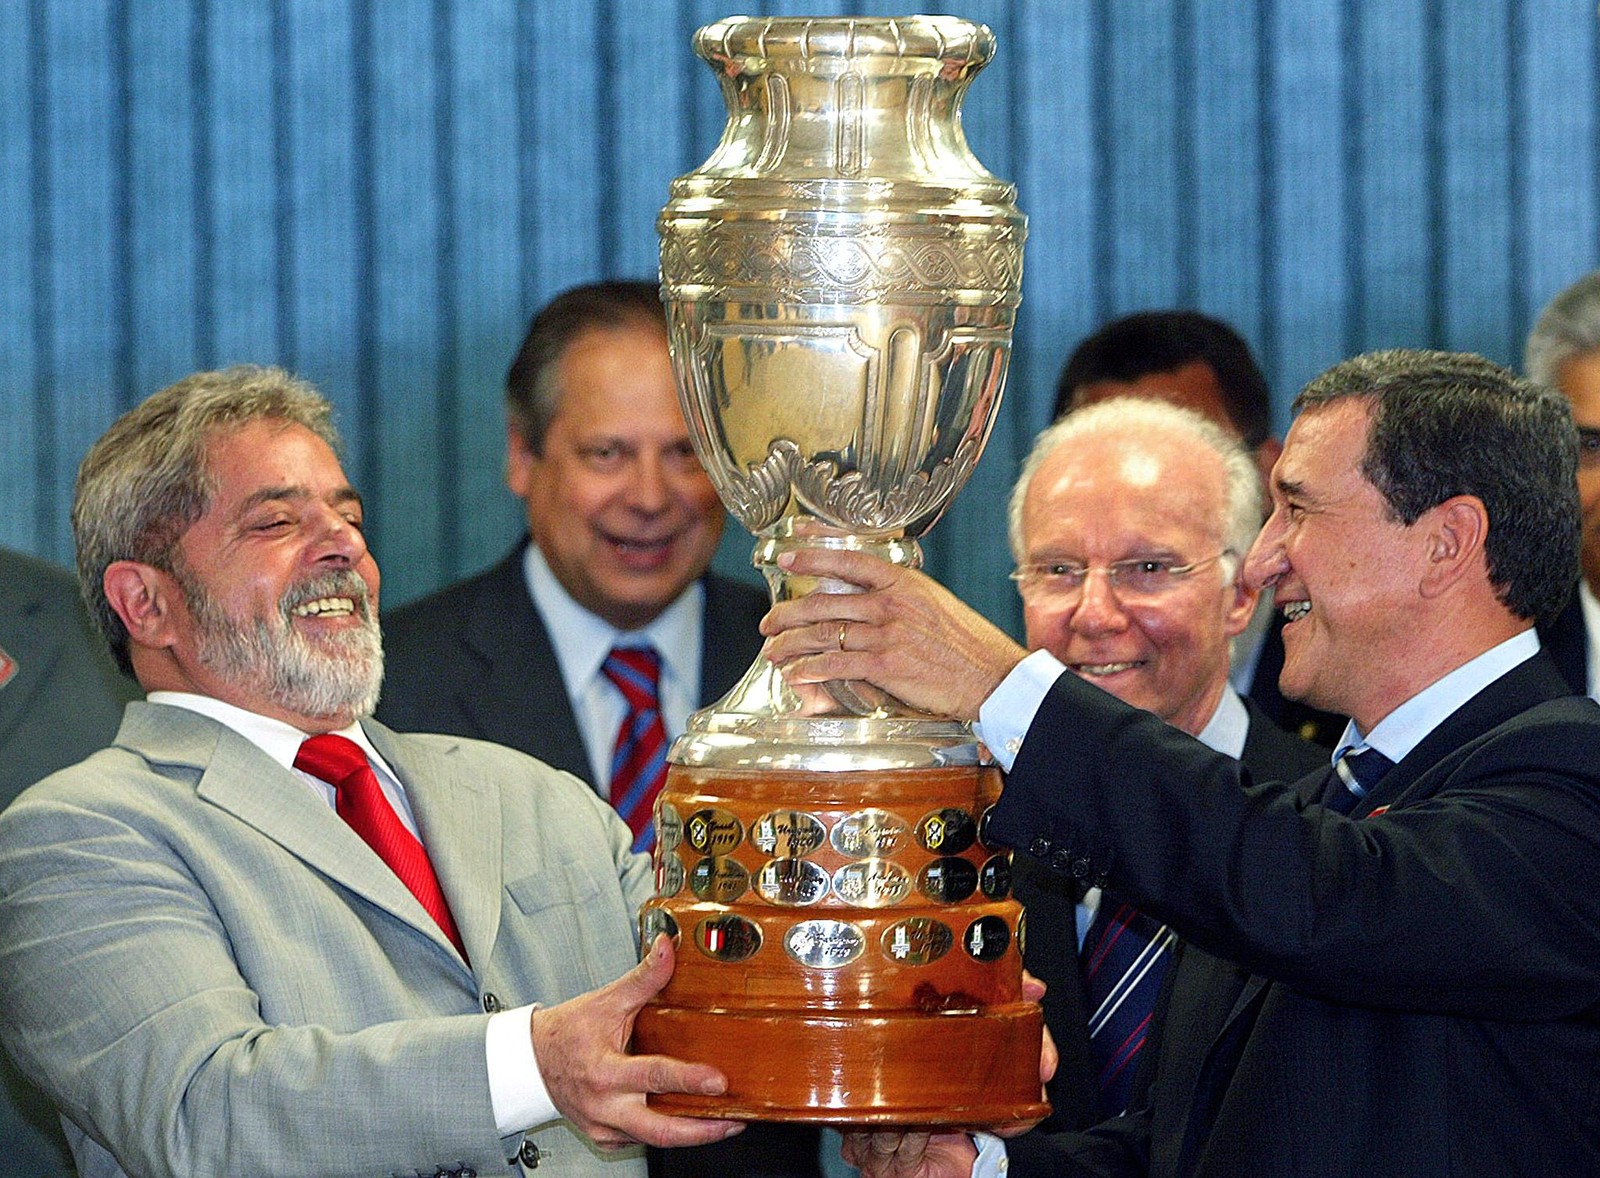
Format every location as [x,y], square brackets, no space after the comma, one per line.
[1354,774]
[1125,956]
[639,760]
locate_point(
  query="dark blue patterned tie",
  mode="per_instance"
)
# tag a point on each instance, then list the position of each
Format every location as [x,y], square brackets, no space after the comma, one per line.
[1125,956]
[639,761]
[1354,774]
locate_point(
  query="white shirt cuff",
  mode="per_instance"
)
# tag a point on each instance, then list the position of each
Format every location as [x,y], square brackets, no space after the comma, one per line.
[991,1161]
[1005,716]
[516,1089]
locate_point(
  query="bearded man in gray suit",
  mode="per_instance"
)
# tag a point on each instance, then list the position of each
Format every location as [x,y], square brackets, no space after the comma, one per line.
[202,963]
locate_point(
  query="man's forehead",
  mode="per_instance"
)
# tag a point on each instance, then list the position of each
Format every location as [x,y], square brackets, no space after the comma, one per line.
[271,458]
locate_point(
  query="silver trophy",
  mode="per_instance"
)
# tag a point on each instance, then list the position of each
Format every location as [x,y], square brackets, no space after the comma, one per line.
[841,278]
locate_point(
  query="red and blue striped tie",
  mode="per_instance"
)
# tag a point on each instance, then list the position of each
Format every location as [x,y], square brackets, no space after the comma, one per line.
[639,761]
[1125,956]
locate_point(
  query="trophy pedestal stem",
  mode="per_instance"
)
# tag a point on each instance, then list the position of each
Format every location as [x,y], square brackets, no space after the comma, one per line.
[848,950]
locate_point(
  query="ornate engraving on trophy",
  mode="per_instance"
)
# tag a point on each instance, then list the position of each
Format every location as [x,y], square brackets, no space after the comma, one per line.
[849,133]
[775,141]
[986,938]
[824,944]
[872,883]
[791,883]
[719,879]
[787,834]
[728,937]
[870,833]
[946,831]
[947,881]
[713,832]
[917,940]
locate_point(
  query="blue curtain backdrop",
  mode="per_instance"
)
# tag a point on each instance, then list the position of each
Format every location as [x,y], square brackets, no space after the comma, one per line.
[376,193]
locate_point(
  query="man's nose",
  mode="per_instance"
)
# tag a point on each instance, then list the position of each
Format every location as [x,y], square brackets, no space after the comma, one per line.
[1098,609]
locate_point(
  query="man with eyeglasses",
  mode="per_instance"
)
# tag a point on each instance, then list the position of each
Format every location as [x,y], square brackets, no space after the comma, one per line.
[1128,525]
[1415,926]
[1563,351]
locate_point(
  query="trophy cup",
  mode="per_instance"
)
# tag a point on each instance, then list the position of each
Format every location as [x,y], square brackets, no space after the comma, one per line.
[841,278]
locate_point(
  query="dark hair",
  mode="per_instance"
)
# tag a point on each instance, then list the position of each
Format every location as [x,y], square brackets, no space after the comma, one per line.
[1450,423]
[531,392]
[1165,341]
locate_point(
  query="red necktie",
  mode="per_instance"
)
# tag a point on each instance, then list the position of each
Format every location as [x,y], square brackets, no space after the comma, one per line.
[639,763]
[340,762]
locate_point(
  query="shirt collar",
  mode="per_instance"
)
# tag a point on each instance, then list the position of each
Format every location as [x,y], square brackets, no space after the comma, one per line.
[1404,728]
[1225,732]
[1591,634]
[278,740]
[582,640]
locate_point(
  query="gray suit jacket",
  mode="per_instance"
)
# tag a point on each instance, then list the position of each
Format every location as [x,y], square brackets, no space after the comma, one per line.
[60,699]
[211,974]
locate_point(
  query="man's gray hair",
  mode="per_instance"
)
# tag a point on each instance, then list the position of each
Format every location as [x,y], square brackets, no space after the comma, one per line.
[1568,326]
[1146,416]
[145,481]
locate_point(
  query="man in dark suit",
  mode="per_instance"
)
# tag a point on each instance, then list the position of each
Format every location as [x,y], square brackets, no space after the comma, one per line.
[51,666]
[1414,984]
[1201,363]
[622,525]
[1136,487]
[1563,352]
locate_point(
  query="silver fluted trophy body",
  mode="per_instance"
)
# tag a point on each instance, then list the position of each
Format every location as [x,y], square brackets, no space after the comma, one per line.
[841,279]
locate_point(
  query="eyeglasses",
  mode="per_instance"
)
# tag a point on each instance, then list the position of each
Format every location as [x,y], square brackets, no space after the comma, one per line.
[1139,579]
[1588,447]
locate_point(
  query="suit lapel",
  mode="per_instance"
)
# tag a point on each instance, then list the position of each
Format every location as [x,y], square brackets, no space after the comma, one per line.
[1531,682]
[522,701]
[458,816]
[237,777]
[1565,639]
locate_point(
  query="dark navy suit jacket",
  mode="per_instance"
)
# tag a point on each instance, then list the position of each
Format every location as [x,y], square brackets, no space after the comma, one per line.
[1416,988]
[1050,898]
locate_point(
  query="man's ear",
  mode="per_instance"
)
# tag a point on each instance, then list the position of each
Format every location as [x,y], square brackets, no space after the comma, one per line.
[143,597]
[520,461]
[1241,607]
[1456,531]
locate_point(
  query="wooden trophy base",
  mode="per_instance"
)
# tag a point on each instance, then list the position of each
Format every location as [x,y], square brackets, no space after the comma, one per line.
[848,951]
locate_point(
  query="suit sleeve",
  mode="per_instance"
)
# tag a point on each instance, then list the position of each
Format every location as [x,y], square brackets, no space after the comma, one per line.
[120,996]
[1476,899]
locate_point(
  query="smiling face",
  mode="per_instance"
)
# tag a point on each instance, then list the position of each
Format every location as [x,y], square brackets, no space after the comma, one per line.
[1122,495]
[1344,571]
[276,602]
[617,502]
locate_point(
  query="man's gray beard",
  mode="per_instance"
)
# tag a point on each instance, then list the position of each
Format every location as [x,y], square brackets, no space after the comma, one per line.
[339,676]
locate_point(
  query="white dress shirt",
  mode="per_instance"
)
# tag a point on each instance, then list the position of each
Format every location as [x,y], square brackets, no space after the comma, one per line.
[581,642]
